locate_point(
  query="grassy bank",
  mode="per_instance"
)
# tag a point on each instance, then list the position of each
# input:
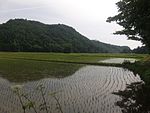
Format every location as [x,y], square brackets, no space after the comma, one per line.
[138,92]
[66,58]
[142,68]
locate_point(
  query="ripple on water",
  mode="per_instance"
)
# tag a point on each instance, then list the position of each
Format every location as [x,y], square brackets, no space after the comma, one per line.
[89,90]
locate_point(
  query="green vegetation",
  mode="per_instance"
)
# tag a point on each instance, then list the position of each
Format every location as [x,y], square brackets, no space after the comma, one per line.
[142,68]
[138,92]
[28,70]
[25,35]
[141,50]
[27,103]
[21,66]
[26,66]
[66,57]
[133,16]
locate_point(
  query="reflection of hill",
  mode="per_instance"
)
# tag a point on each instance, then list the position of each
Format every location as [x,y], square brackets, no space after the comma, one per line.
[28,70]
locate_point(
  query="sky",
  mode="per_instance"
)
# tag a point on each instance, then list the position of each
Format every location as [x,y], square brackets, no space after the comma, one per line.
[87,16]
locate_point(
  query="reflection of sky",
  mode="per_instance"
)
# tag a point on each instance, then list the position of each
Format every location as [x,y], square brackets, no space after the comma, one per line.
[88,90]
[119,60]
[87,16]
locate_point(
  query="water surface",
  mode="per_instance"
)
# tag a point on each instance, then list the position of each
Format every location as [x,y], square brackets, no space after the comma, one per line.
[88,90]
[119,60]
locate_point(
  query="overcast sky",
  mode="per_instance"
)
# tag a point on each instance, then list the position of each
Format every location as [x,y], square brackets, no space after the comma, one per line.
[87,16]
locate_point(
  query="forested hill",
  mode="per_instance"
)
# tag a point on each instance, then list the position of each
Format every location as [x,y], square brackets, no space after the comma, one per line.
[108,48]
[26,35]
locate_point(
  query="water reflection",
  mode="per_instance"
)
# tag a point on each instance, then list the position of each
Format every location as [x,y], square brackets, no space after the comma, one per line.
[88,90]
[134,100]
[119,60]
[25,70]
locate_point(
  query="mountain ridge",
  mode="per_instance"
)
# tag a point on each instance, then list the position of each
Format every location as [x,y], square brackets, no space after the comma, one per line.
[34,36]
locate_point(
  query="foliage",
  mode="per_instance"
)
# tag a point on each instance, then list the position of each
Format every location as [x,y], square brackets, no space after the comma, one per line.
[140,50]
[24,35]
[133,99]
[136,97]
[27,103]
[133,16]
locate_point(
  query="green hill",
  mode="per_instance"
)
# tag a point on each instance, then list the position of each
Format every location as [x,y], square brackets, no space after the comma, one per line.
[108,48]
[26,35]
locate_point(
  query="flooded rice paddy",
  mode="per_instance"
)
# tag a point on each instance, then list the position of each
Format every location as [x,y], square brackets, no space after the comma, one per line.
[88,90]
[119,60]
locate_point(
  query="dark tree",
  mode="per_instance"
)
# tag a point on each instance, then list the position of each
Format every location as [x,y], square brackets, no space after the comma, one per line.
[134,17]
[140,50]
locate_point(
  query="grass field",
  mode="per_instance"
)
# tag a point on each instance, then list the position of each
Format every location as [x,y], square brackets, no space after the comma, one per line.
[61,57]
[22,66]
